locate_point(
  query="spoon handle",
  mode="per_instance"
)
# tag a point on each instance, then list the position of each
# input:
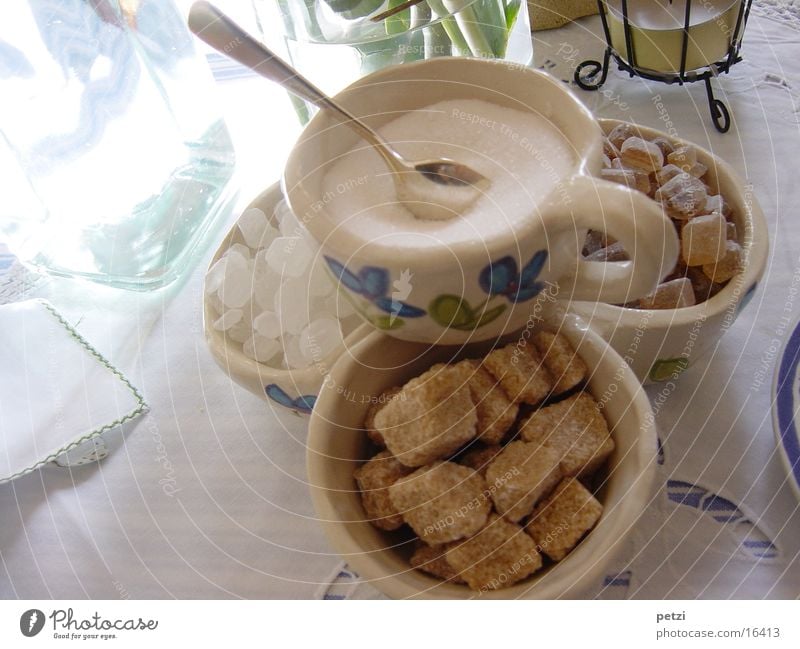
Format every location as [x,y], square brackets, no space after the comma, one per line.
[215,28]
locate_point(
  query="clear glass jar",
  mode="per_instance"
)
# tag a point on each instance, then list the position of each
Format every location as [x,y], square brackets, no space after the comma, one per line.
[335,42]
[114,155]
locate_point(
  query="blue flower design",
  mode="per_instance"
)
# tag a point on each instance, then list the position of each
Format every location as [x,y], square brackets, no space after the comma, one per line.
[501,277]
[372,282]
[304,403]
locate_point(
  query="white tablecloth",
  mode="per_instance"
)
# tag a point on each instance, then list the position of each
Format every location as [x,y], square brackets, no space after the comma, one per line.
[206,497]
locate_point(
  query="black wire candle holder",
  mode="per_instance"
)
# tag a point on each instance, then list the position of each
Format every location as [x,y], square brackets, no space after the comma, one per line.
[592,74]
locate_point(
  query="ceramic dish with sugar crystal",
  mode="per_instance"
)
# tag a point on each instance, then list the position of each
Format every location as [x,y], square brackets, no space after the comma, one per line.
[338,445]
[660,343]
[273,366]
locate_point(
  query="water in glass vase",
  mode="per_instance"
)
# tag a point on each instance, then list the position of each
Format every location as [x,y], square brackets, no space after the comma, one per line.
[117,157]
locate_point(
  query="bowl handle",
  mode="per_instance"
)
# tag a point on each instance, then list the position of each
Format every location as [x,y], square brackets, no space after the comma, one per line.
[629,216]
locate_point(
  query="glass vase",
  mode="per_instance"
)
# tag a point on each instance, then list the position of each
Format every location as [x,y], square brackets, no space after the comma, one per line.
[115,157]
[335,42]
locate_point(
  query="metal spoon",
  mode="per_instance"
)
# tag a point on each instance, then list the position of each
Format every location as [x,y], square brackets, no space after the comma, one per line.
[412,179]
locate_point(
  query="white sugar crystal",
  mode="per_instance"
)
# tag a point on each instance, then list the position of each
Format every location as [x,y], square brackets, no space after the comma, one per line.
[291,305]
[287,222]
[236,257]
[228,319]
[289,256]
[265,282]
[216,304]
[241,331]
[241,250]
[253,225]
[235,291]
[215,275]
[267,324]
[261,349]
[320,283]
[293,357]
[320,338]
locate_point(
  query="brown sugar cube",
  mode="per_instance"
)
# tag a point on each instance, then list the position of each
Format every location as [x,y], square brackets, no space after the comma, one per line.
[664,144]
[520,476]
[628,177]
[496,412]
[479,458]
[638,153]
[433,560]
[620,133]
[703,240]
[369,419]
[615,252]
[576,430]
[442,502]
[595,240]
[566,367]
[430,418]
[675,294]
[704,288]
[521,372]
[500,555]
[717,204]
[609,150]
[374,479]
[726,267]
[684,157]
[667,173]
[561,521]
[730,232]
[684,196]
[698,170]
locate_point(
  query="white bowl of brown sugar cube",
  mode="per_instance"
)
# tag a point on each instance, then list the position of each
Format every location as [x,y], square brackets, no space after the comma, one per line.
[724,248]
[511,471]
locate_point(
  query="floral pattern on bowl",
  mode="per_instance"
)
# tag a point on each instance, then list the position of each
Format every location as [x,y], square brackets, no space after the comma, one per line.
[372,284]
[501,278]
[303,403]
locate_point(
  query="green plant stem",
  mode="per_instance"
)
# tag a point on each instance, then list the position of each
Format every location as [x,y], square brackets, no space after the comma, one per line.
[437,42]
[450,27]
[484,26]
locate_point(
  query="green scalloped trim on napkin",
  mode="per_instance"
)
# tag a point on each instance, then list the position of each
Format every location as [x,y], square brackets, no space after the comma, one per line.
[141,407]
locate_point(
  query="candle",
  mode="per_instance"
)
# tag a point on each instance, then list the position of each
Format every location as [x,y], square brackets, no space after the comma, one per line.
[657,32]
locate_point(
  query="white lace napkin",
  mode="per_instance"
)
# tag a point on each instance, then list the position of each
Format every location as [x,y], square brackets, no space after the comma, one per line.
[57,394]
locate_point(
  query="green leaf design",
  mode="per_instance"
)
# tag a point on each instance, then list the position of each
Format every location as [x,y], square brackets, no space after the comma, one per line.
[453,312]
[386,322]
[668,368]
[490,315]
